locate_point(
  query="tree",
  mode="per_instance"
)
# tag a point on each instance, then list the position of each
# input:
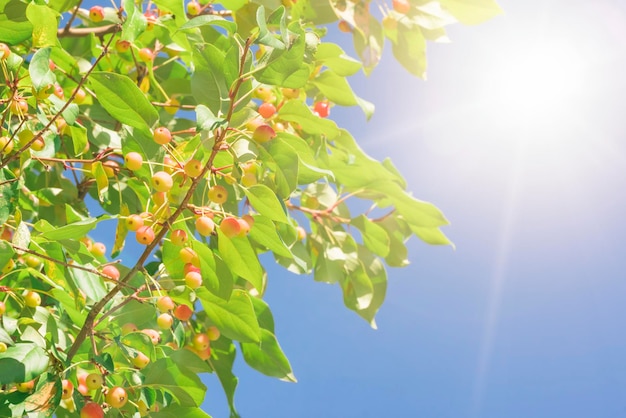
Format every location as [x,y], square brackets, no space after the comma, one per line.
[201,132]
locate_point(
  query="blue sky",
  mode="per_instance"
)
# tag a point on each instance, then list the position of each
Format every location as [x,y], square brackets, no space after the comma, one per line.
[526,317]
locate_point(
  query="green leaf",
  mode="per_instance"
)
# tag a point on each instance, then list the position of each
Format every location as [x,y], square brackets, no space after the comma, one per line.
[14,26]
[44,21]
[222,358]
[282,160]
[375,270]
[177,411]
[299,113]
[21,237]
[102,180]
[219,284]
[265,36]
[185,386]
[335,88]
[410,49]
[91,284]
[39,69]
[9,194]
[6,253]
[135,23]
[210,20]
[73,230]
[240,258]
[472,12]
[79,138]
[374,236]
[267,357]
[264,201]
[235,318]
[264,233]
[121,97]
[22,362]
[332,56]
[308,170]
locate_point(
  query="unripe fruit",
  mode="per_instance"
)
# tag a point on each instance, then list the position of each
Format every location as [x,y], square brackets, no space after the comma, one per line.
[213,333]
[193,279]
[193,8]
[3,308]
[165,303]
[205,226]
[193,168]
[154,335]
[3,347]
[267,110]
[344,26]
[6,145]
[190,267]
[174,105]
[230,226]
[218,194]
[133,161]
[18,106]
[291,93]
[263,93]
[301,233]
[32,299]
[128,328]
[5,50]
[187,255]
[254,123]
[165,321]
[80,96]
[200,342]
[91,410]
[249,219]
[122,46]
[146,55]
[144,235]
[25,387]
[263,133]
[183,312]
[179,237]
[162,135]
[162,181]
[248,180]
[134,222]
[111,271]
[390,23]
[67,389]
[32,261]
[98,249]
[8,267]
[96,14]
[94,381]
[245,227]
[58,91]
[140,360]
[38,144]
[401,6]
[111,168]
[159,198]
[322,109]
[116,397]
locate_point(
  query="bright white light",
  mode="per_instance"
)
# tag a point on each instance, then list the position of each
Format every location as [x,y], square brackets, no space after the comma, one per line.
[537,85]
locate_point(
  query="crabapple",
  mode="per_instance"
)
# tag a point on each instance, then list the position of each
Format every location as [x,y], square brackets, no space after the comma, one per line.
[230,226]
[190,267]
[200,341]
[94,381]
[162,135]
[144,235]
[128,328]
[244,227]
[193,168]
[110,168]
[165,321]
[134,222]
[213,333]
[263,133]
[32,299]
[18,106]
[165,303]
[133,161]
[173,106]
[322,108]
[38,144]
[146,54]
[25,387]
[140,360]
[3,347]
[80,96]
[249,219]
[91,410]
[96,14]
[401,6]
[344,26]
[218,194]
[122,46]
[390,23]
[248,179]
[205,226]
[267,110]
[111,271]
[262,92]
[116,397]
[67,389]
[6,145]
[183,312]
[3,308]
[301,233]
[179,237]
[154,335]
[6,51]
[188,255]
[162,181]
[291,93]
[193,279]
[193,8]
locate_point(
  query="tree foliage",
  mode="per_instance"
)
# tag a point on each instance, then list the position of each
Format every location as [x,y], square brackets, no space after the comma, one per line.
[201,131]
